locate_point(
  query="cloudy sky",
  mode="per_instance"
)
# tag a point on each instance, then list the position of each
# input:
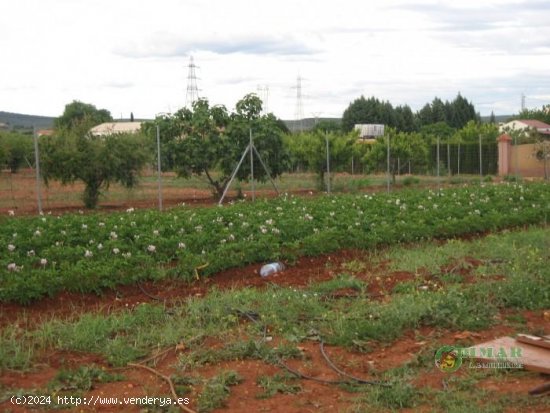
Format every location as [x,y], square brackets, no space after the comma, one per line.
[132,56]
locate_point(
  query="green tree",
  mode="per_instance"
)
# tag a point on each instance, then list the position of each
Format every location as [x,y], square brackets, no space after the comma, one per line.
[325,125]
[405,121]
[439,130]
[462,112]
[404,147]
[308,149]
[77,113]
[424,115]
[212,141]
[369,110]
[542,114]
[17,150]
[472,131]
[74,155]
[170,129]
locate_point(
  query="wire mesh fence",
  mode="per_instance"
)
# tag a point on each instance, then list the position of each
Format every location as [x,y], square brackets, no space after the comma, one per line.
[445,163]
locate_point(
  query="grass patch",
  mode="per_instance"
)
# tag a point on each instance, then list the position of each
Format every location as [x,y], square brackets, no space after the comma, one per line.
[216,391]
[279,383]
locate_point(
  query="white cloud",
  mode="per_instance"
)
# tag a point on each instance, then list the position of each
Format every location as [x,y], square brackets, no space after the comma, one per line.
[132,56]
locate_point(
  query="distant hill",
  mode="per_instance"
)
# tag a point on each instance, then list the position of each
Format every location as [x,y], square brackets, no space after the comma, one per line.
[307,123]
[20,121]
[498,118]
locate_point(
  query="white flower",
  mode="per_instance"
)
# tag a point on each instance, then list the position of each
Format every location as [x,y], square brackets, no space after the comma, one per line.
[43,262]
[151,248]
[156,232]
[113,235]
[84,226]
[13,267]
[11,212]
[181,245]
[308,217]
[397,201]
[477,212]
[332,213]
[91,241]
[133,224]
[88,254]
[116,251]
[100,246]
[11,247]
[263,229]
[231,237]
[30,253]
[102,224]
[37,233]
[63,232]
[130,210]
[127,254]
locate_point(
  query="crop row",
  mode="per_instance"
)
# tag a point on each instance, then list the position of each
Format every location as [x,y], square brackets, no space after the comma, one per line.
[43,255]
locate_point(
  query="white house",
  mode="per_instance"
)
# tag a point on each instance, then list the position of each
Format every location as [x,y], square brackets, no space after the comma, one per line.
[525,124]
[112,128]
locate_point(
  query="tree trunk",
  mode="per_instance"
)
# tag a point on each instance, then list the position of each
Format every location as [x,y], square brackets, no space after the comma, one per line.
[91,194]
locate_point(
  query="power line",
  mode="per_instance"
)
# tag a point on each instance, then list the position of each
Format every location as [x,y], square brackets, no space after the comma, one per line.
[192,88]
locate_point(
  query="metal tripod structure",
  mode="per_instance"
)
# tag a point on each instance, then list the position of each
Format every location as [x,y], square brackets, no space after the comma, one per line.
[250,148]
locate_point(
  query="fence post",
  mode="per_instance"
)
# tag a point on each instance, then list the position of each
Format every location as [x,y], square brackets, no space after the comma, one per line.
[252,167]
[458,160]
[37,169]
[516,155]
[159,169]
[480,160]
[388,165]
[448,158]
[328,164]
[398,166]
[437,168]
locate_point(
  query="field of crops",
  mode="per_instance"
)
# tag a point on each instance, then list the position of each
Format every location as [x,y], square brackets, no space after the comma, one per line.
[87,253]
[351,325]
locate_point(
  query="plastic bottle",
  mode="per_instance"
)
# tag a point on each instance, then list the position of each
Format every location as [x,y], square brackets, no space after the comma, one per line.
[271,268]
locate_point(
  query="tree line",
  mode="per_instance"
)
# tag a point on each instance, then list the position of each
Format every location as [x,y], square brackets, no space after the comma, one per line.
[456,114]
[208,140]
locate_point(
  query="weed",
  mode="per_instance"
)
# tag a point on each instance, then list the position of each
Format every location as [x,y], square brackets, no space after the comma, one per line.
[278,383]
[216,391]
[82,378]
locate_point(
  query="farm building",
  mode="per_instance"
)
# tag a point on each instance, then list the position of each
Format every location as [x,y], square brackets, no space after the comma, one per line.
[369,131]
[525,124]
[111,128]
